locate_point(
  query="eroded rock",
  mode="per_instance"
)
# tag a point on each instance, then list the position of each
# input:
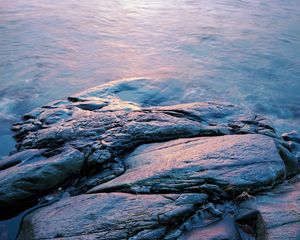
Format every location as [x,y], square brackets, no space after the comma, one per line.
[19,185]
[82,144]
[236,163]
[111,216]
[21,157]
[280,210]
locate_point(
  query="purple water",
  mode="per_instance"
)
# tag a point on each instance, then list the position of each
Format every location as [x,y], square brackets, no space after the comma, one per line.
[245,52]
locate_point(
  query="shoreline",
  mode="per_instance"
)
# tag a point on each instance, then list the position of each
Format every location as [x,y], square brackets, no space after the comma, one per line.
[117,143]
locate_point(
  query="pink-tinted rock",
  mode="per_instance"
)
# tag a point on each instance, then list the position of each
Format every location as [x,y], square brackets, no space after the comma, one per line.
[236,163]
[110,216]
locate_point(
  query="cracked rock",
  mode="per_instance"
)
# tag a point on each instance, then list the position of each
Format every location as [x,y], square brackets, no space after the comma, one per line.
[153,168]
[110,216]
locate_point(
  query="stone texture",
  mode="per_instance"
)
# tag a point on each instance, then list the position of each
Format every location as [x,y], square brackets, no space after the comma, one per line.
[236,163]
[293,139]
[111,216]
[21,157]
[68,147]
[19,185]
[280,210]
[103,130]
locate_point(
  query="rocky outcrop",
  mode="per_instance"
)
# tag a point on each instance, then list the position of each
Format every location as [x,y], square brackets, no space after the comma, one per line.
[232,164]
[22,184]
[111,216]
[182,169]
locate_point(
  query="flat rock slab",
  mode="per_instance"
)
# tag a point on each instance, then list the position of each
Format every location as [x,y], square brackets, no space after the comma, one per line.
[236,163]
[111,216]
[280,210]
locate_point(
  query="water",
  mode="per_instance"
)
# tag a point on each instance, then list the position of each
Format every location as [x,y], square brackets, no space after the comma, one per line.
[245,52]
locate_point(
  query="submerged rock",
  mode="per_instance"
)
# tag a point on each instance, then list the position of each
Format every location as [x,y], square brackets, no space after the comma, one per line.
[125,136]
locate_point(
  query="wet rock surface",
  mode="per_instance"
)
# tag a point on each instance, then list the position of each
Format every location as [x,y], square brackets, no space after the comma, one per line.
[232,163]
[19,185]
[280,210]
[120,162]
[111,216]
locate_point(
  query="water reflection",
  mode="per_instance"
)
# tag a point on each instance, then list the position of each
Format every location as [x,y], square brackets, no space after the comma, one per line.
[239,51]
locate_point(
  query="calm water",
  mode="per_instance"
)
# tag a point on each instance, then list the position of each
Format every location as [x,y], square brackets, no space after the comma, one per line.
[244,52]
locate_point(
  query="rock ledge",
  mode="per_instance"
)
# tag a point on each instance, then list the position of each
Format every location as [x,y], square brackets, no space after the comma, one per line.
[120,162]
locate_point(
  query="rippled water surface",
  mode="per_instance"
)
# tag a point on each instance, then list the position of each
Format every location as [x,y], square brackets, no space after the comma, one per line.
[244,52]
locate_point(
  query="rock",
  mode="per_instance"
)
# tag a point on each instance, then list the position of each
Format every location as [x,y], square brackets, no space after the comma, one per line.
[295,147]
[236,163]
[280,210]
[20,185]
[129,136]
[290,161]
[110,216]
[293,136]
[124,129]
[21,157]
[217,230]
[105,129]
[91,105]
[248,219]
[293,141]
[99,157]
[104,135]
[142,91]
[235,220]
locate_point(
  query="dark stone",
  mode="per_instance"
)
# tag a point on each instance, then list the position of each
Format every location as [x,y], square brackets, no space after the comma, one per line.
[290,161]
[21,157]
[293,136]
[20,185]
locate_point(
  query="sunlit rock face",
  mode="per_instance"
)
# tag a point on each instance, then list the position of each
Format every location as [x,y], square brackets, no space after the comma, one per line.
[111,216]
[180,167]
[234,163]
[280,210]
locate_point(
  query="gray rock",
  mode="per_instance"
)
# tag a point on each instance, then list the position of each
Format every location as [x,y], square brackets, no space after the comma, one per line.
[68,147]
[248,219]
[104,135]
[236,163]
[290,161]
[123,129]
[280,210]
[295,147]
[216,230]
[20,185]
[110,216]
[293,136]
[21,157]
